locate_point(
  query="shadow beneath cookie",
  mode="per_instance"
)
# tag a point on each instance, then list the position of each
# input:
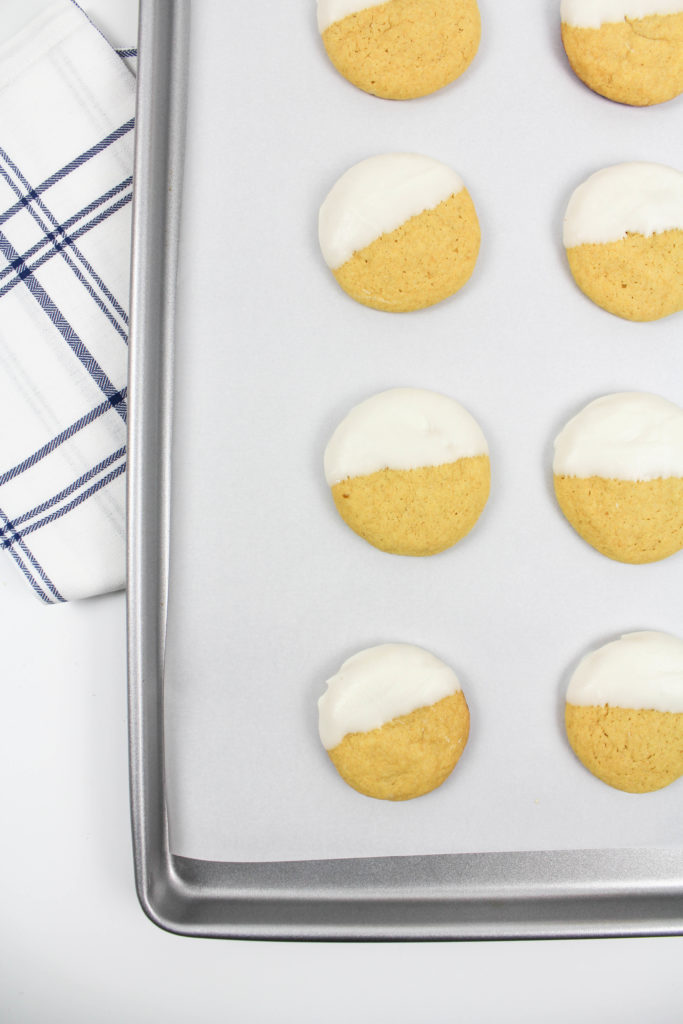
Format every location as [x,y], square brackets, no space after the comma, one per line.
[551,17]
[559,423]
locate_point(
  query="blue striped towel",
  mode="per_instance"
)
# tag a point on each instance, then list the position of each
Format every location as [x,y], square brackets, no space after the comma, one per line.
[67,104]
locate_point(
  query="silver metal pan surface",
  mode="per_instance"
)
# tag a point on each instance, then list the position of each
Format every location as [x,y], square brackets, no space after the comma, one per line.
[574,893]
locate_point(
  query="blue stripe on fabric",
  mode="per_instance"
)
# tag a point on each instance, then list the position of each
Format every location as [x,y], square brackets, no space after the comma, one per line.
[127,53]
[78,161]
[57,248]
[67,258]
[47,582]
[68,224]
[18,537]
[61,249]
[31,578]
[60,438]
[65,492]
[57,318]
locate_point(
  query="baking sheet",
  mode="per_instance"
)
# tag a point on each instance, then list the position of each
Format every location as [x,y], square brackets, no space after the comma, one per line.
[269,591]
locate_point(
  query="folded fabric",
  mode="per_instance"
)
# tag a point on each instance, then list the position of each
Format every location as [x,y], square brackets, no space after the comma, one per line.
[66,156]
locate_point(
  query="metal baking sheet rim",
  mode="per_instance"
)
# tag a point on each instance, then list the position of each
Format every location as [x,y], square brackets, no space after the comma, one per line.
[551,894]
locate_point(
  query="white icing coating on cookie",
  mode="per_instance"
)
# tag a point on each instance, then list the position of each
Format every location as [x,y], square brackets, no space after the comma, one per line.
[636,198]
[379,684]
[643,671]
[594,13]
[627,436]
[403,428]
[376,196]
[330,11]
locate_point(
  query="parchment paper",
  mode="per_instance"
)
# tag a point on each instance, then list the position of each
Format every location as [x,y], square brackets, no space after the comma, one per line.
[270,591]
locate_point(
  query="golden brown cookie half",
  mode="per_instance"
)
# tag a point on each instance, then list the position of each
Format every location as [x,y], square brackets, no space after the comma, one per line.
[629,51]
[400,49]
[618,476]
[637,278]
[415,511]
[623,233]
[624,712]
[629,521]
[394,721]
[399,232]
[409,471]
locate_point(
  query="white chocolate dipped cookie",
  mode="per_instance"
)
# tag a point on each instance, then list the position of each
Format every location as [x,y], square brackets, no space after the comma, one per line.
[400,49]
[399,232]
[624,711]
[630,51]
[623,232]
[409,471]
[394,721]
[618,476]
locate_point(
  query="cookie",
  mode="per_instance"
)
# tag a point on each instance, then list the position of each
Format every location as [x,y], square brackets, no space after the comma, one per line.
[623,232]
[618,476]
[624,711]
[409,471]
[394,721]
[399,232]
[400,49]
[630,51]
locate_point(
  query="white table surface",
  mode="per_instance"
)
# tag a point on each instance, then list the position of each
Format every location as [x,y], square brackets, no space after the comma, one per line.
[74,944]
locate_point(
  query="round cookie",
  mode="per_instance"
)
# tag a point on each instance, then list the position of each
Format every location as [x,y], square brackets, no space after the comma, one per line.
[624,711]
[399,232]
[400,49]
[394,721]
[409,471]
[618,476]
[623,232]
[630,51]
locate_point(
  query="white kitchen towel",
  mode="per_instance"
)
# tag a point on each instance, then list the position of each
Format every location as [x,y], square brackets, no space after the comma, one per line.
[67,105]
